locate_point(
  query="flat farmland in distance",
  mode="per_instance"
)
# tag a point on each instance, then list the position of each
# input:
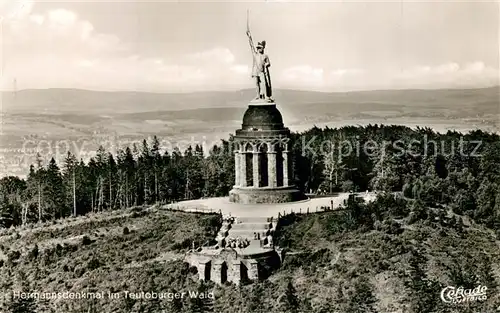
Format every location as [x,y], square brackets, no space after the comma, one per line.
[52,121]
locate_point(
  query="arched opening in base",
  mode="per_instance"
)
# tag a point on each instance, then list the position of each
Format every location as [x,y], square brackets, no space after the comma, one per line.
[207,271]
[223,273]
[249,168]
[244,274]
[279,166]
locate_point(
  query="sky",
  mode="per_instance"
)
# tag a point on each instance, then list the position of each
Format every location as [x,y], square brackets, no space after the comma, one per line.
[181,46]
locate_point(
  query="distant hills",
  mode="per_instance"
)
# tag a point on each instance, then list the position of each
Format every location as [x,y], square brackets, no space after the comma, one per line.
[95,117]
[481,101]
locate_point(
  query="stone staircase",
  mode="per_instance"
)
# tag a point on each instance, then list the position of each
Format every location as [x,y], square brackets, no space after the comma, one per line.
[246,230]
[238,254]
[257,231]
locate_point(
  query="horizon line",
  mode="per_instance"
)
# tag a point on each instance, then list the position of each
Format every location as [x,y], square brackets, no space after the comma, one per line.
[246,89]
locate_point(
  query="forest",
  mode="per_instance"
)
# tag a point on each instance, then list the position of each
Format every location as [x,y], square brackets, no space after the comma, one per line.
[452,168]
[434,223]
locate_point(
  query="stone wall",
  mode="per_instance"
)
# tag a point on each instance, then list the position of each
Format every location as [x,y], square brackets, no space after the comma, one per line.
[265,195]
[227,266]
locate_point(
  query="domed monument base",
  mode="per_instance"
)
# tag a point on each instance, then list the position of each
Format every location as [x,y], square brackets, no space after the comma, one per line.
[265,195]
[263,167]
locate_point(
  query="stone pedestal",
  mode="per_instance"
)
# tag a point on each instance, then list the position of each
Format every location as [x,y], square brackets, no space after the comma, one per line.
[264,136]
[265,195]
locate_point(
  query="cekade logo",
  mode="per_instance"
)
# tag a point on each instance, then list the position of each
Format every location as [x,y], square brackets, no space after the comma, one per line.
[458,295]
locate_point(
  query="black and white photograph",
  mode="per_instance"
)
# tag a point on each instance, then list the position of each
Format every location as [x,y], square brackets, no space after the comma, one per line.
[265,156]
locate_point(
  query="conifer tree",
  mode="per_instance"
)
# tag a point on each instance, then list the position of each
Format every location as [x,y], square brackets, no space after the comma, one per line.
[422,291]
[112,171]
[54,192]
[22,304]
[289,301]
[156,168]
[69,178]
[363,300]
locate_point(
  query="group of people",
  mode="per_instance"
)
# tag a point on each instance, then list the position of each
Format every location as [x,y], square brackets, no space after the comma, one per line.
[237,242]
[228,219]
[266,240]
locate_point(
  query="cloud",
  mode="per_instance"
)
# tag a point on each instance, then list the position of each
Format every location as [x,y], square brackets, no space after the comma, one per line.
[472,74]
[15,9]
[61,17]
[446,75]
[308,77]
[59,49]
[303,75]
[241,69]
[216,55]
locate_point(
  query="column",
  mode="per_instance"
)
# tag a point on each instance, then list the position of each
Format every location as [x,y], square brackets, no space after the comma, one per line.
[237,168]
[256,169]
[253,270]
[204,270]
[243,169]
[216,274]
[285,168]
[271,169]
[236,272]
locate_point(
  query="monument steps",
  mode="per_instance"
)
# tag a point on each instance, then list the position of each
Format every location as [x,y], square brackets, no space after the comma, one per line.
[253,219]
[248,234]
[247,226]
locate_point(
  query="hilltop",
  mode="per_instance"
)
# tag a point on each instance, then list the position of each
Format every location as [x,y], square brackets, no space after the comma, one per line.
[336,261]
[436,224]
[393,255]
[126,250]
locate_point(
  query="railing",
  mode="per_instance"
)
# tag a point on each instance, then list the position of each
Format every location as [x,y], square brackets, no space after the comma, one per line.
[193,209]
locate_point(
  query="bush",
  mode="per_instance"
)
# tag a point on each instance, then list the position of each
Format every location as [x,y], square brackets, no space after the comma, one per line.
[126,231]
[408,190]
[13,255]
[93,264]
[79,271]
[347,186]
[185,244]
[86,240]
[391,227]
[138,214]
[33,254]
[418,213]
